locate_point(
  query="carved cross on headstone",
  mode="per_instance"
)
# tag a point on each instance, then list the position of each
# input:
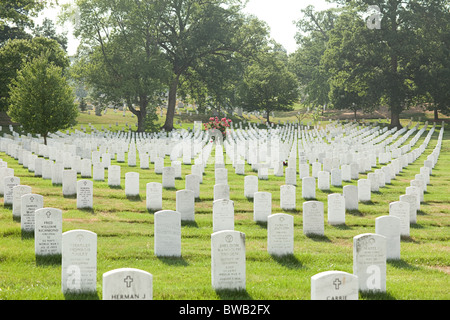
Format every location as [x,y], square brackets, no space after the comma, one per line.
[337,283]
[128,280]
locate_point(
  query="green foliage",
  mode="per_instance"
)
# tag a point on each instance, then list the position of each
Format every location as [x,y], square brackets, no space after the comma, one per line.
[192,32]
[17,52]
[268,85]
[82,105]
[312,38]
[41,99]
[119,59]
[16,16]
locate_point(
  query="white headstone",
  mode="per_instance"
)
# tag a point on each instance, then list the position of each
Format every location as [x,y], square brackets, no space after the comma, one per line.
[228,260]
[57,171]
[159,165]
[288,197]
[309,188]
[18,192]
[250,186]
[223,215]
[262,206]
[313,218]
[154,196]
[29,204]
[291,176]
[364,193]
[336,209]
[412,200]
[47,231]
[86,168]
[192,183]
[79,261]
[114,176]
[85,194]
[167,233]
[221,176]
[374,184]
[132,184]
[369,261]
[221,191]
[69,182]
[127,284]
[334,285]
[9,183]
[185,204]
[351,197]
[98,169]
[323,180]
[400,210]
[336,177]
[280,234]
[389,227]
[168,177]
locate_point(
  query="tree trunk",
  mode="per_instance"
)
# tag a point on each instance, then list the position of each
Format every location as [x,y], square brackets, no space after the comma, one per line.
[140,115]
[354,112]
[436,114]
[268,116]
[168,125]
[395,119]
[141,122]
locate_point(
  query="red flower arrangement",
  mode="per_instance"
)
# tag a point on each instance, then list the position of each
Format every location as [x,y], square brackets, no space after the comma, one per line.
[221,125]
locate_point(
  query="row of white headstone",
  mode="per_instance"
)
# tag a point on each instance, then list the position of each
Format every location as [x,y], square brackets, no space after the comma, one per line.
[168,242]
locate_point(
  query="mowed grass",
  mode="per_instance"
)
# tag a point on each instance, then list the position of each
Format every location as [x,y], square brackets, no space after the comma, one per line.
[125,231]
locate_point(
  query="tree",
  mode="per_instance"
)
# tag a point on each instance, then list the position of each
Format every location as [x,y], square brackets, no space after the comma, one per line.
[48,30]
[16,16]
[380,57]
[15,53]
[41,99]
[119,57]
[190,31]
[431,63]
[305,62]
[268,85]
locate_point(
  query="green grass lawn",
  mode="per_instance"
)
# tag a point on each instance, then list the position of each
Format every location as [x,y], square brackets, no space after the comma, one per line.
[125,238]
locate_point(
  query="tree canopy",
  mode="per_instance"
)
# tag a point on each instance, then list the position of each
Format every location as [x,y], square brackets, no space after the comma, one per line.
[41,99]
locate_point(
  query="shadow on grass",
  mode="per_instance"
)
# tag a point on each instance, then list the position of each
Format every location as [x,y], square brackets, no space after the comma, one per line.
[355,212]
[289,261]
[407,239]
[317,237]
[401,264]
[173,261]
[422,213]
[27,234]
[292,211]
[135,198]
[233,294]
[70,196]
[341,226]
[416,226]
[369,203]
[87,210]
[81,296]
[116,187]
[190,224]
[376,295]
[48,260]
[262,224]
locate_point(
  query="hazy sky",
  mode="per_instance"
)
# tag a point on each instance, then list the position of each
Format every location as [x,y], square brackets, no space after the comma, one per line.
[279,15]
